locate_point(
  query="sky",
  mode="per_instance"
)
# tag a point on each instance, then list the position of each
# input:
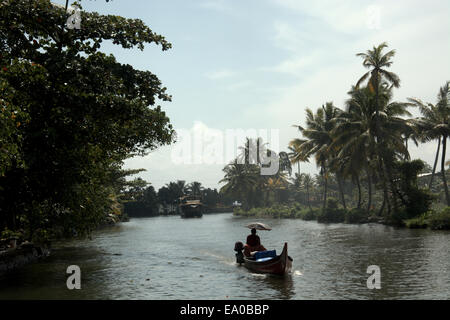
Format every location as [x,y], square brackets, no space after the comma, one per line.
[254,66]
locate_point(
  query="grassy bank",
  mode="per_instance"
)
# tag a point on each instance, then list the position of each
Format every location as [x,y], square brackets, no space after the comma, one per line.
[435,220]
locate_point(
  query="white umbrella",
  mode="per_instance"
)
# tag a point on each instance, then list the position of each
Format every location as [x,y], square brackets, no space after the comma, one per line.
[258,226]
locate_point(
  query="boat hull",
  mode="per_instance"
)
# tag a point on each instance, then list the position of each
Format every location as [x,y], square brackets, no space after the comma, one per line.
[279,265]
[191,212]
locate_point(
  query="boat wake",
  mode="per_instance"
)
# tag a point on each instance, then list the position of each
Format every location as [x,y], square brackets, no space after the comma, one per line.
[258,275]
[297,273]
[220,258]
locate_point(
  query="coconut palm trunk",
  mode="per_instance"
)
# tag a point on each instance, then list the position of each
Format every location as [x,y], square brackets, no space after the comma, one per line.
[444,180]
[435,164]
[307,194]
[341,191]
[358,184]
[369,190]
[385,188]
[325,188]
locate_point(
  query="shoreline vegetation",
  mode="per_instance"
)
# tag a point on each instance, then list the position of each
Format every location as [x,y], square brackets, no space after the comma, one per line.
[434,220]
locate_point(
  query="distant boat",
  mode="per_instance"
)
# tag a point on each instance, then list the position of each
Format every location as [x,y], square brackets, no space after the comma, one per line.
[190,207]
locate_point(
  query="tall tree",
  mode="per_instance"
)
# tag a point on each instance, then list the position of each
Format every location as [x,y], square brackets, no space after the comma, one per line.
[435,124]
[240,181]
[82,113]
[195,189]
[318,134]
[377,62]
[308,184]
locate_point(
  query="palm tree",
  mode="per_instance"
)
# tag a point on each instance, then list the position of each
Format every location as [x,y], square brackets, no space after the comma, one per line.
[435,124]
[176,189]
[318,132]
[377,61]
[240,180]
[194,189]
[275,184]
[295,154]
[308,183]
[355,134]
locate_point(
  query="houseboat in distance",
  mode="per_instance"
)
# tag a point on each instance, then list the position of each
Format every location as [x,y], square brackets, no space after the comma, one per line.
[190,207]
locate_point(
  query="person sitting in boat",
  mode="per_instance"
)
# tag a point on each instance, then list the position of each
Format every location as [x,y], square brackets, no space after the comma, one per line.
[253,244]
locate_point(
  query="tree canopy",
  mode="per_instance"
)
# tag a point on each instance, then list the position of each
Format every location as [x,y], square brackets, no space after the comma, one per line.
[70,114]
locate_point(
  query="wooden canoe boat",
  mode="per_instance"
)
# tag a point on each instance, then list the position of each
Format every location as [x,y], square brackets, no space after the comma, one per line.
[280,264]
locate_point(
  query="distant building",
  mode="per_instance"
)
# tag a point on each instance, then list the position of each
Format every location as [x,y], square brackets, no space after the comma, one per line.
[237,204]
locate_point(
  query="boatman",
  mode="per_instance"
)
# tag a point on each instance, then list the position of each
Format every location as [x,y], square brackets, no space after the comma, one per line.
[253,244]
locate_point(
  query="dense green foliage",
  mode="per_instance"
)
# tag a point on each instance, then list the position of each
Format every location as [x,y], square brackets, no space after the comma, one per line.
[69,116]
[244,181]
[440,220]
[435,220]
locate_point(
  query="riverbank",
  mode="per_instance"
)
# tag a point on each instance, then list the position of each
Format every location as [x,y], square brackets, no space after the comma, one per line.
[434,220]
[13,258]
[16,253]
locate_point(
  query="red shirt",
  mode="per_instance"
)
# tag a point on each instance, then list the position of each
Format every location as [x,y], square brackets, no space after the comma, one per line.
[253,240]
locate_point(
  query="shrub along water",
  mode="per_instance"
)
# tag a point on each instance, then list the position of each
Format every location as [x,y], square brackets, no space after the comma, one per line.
[435,220]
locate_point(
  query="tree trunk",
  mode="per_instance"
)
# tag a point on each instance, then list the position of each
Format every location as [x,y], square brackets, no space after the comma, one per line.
[341,192]
[359,191]
[369,182]
[385,186]
[325,189]
[406,146]
[380,213]
[394,190]
[444,180]
[435,164]
[379,141]
[307,194]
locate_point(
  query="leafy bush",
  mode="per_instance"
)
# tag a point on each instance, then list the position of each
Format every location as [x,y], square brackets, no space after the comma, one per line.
[308,214]
[356,215]
[416,201]
[398,218]
[331,213]
[8,234]
[440,220]
[420,222]
[419,202]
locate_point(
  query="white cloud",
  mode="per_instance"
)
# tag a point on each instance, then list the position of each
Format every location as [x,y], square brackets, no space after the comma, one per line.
[325,64]
[316,43]
[240,85]
[220,74]
[343,16]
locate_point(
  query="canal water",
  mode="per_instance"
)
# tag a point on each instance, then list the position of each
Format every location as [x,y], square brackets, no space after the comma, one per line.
[175,258]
